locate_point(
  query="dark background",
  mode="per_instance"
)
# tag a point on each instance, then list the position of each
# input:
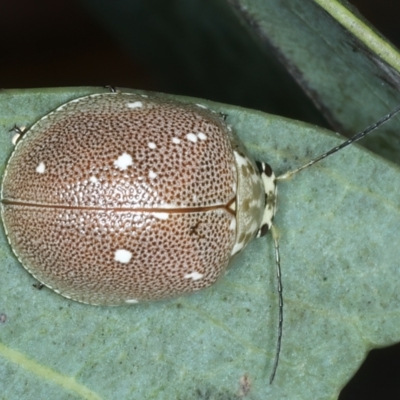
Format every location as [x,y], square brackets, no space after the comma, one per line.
[46,43]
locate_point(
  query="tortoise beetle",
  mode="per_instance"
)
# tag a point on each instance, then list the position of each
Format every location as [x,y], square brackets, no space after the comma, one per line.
[119,198]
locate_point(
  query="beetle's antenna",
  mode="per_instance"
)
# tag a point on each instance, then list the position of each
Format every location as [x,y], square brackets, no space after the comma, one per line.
[287,175]
[356,137]
[280,295]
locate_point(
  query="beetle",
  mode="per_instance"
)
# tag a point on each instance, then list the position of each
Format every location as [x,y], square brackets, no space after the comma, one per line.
[119,198]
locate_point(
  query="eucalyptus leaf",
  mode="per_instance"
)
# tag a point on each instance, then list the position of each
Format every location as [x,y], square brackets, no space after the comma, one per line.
[338,224]
[346,67]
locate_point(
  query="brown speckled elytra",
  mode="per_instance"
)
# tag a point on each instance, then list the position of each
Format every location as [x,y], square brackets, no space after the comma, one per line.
[119,198]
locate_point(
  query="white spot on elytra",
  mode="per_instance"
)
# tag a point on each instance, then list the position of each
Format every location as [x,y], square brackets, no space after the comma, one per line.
[152,145]
[161,215]
[176,140]
[93,179]
[152,175]
[131,301]
[41,168]
[191,137]
[123,256]
[201,106]
[135,104]
[195,276]
[123,161]
[232,225]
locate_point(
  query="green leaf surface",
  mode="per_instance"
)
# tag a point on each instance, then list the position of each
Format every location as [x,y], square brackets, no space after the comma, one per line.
[345,66]
[338,223]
